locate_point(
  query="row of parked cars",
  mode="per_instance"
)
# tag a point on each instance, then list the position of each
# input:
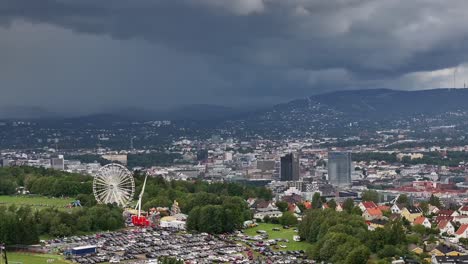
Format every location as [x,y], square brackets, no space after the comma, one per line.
[138,245]
[270,249]
[148,244]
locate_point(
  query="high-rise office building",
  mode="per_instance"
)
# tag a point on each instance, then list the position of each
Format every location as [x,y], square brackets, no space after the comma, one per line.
[339,168]
[290,167]
[57,163]
[5,163]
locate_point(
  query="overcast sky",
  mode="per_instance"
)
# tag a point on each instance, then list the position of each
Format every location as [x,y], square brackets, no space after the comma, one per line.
[94,55]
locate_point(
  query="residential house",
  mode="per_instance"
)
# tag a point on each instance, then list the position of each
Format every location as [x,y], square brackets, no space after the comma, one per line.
[462,219]
[433,209]
[307,204]
[444,250]
[339,207]
[265,208]
[443,218]
[292,199]
[421,220]
[411,213]
[384,208]
[446,226]
[448,213]
[366,205]
[294,209]
[376,223]
[372,213]
[462,232]
[394,217]
[396,209]
[463,210]
[449,259]
[416,249]
[251,201]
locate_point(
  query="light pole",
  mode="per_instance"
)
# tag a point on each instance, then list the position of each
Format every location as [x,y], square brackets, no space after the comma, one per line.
[3,254]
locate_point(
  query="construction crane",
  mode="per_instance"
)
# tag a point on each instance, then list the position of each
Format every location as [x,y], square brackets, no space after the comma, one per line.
[3,254]
[139,220]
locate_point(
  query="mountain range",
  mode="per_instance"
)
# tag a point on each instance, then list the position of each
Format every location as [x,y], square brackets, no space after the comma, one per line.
[359,104]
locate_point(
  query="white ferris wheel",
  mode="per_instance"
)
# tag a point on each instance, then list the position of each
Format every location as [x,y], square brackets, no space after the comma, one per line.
[113,184]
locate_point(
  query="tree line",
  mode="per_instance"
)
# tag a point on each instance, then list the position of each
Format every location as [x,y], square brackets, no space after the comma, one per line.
[41,181]
[217,207]
[23,225]
[342,237]
[158,192]
[219,215]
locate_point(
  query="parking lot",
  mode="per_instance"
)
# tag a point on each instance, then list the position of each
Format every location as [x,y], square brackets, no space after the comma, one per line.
[142,245]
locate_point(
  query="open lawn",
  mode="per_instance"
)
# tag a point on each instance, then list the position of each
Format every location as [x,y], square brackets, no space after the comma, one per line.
[27,258]
[283,233]
[35,201]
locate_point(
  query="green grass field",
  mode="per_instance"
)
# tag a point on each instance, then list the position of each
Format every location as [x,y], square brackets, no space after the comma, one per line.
[35,201]
[283,233]
[27,258]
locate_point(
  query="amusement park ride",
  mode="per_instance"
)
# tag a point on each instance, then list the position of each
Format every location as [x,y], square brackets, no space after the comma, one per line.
[114,184]
[139,220]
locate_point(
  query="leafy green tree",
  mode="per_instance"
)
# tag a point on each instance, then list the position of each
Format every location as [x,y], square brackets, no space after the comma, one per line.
[370,196]
[358,255]
[389,251]
[316,201]
[434,201]
[86,199]
[193,218]
[288,218]
[7,186]
[356,211]
[60,230]
[282,206]
[302,207]
[339,237]
[424,207]
[332,204]
[348,205]
[463,241]
[403,199]
[84,223]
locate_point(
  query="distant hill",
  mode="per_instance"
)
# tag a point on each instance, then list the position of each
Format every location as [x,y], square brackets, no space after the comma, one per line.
[357,111]
[394,103]
[383,103]
[349,105]
[20,112]
[200,112]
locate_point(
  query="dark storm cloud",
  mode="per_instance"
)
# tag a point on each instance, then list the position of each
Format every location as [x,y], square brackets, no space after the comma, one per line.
[273,48]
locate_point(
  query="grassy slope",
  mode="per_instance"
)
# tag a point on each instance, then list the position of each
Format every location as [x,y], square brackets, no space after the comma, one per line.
[26,258]
[283,233]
